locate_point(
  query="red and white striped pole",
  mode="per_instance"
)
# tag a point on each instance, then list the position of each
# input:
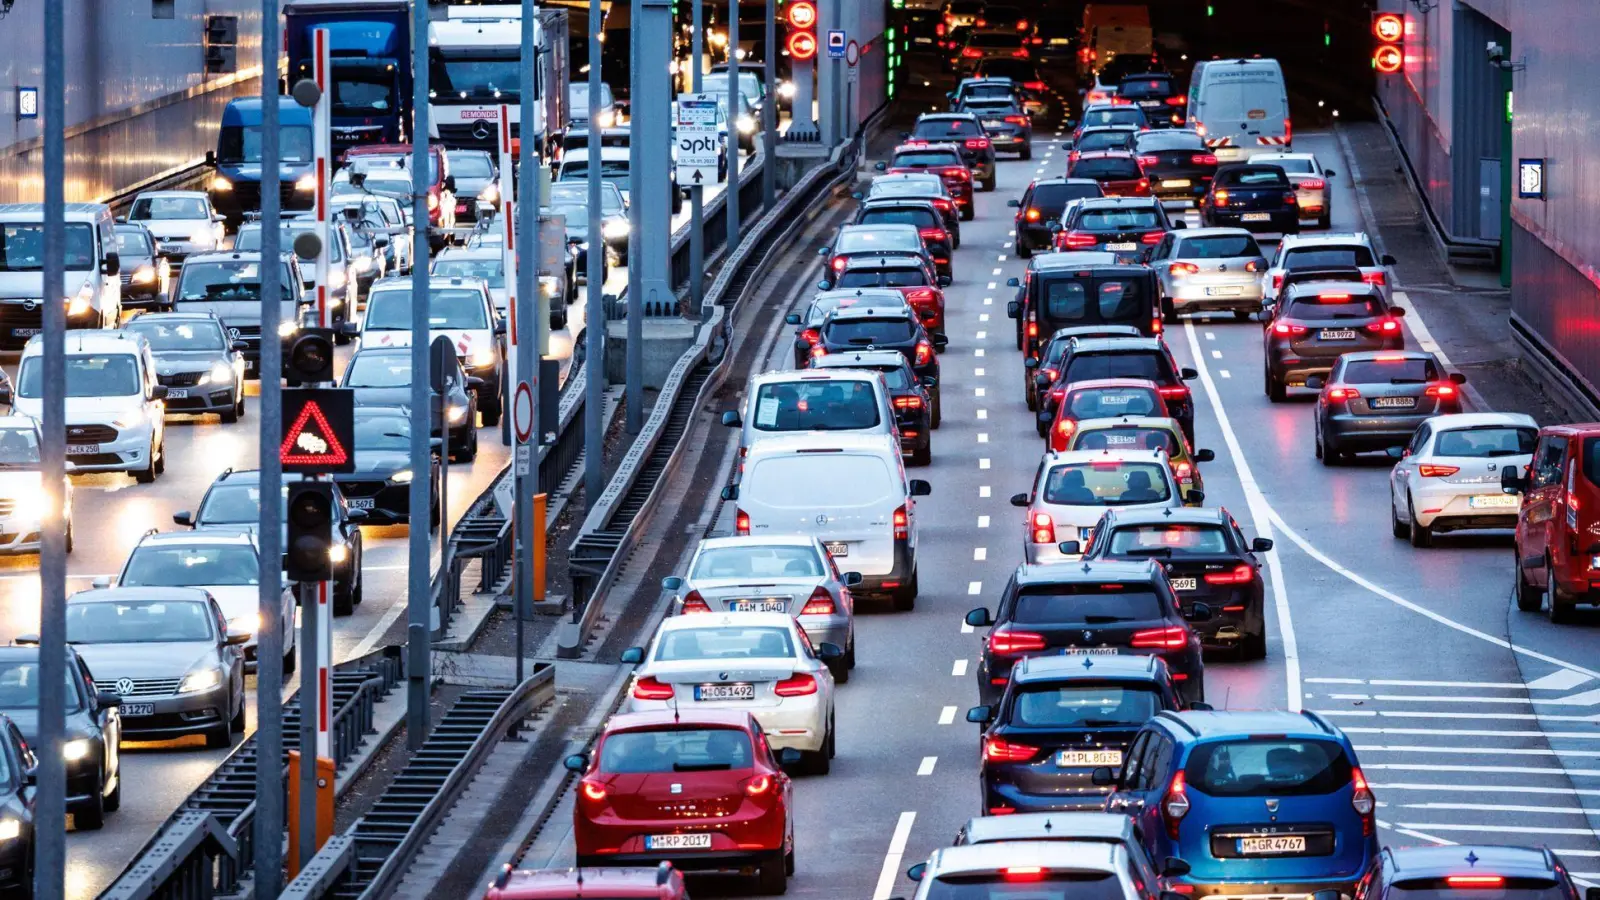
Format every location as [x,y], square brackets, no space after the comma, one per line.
[508,223]
[322,148]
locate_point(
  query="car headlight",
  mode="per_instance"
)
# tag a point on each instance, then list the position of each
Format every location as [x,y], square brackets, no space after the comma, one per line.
[786,90]
[606,119]
[144,275]
[361,263]
[336,280]
[129,419]
[219,373]
[30,507]
[457,413]
[616,229]
[338,553]
[306,182]
[490,194]
[10,829]
[549,285]
[202,237]
[287,328]
[747,124]
[481,358]
[73,751]
[78,305]
[221,185]
[203,680]
[401,477]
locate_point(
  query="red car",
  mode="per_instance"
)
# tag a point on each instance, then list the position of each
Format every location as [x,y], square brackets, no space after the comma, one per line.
[660,883]
[699,788]
[909,275]
[1100,398]
[1118,172]
[942,159]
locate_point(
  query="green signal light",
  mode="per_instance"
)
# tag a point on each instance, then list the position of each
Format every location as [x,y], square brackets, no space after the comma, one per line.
[1327,40]
[1210,10]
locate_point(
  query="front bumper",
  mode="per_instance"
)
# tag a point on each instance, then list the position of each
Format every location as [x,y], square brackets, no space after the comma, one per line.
[130,450]
[178,716]
[195,399]
[385,503]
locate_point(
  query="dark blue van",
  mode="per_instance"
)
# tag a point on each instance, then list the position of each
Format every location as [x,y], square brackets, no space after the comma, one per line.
[1249,803]
[235,188]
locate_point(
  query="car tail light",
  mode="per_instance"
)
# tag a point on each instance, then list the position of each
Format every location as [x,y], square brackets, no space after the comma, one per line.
[1095,96]
[1080,240]
[1384,326]
[1277,281]
[970,52]
[920,295]
[799,684]
[820,603]
[1173,392]
[1220,198]
[934,234]
[1333,298]
[1049,374]
[1430,471]
[1240,574]
[1180,269]
[1020,53]
[980,22]
[902,525]
[939,29]
[693,602]
[1254,265]
[908,402]
[1017,120]
[1203,159]
[977,143]
[1475,881]
[839,263]
[1005,642]
[819,351]
[1033,85]
[959,173]
[942,204]
[648,688]
[1361,799]
[593,791]
[758,785]
[1200,130]
[1343,394]
[1144,185]
[741,521]
[1177,101]
[811,336]
[1377,278]
[1033,328]
[1288,131]
[1022,24]
[1149,160]
[1313,184]
[1175,805]
[1064,430]
[1000,750]
[1155,325]
[1042,528]
[1032,214]
[1447,391]
[924,354]
[1023,873]
[1291,198]
[1184,472]
[1172,637]
[1286,328]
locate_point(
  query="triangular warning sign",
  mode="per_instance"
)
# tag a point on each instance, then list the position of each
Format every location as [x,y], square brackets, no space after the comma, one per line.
[311,443]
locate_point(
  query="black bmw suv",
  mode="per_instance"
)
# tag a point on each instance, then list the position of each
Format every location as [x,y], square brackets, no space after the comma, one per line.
[876,328]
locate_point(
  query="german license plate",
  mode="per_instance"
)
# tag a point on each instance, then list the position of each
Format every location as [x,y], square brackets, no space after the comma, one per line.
[743,691]
[837,548]
[768,604]
[1393,402]
[993,123]
[177,393]
[1125,245]
[137,709]
[1256,217]
[82,449]
[1185,584]
[1150,104]
[1288,843]
[677,842]
[1085,533]
[1089,651]
[1224,291]
[25,332]
[1175,182]
[1088,758]
[360,502]
[1337,334]
[1492,501]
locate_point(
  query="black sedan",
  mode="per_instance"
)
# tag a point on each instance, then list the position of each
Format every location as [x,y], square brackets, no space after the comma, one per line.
[92,746]
[808,325]
[1128,226]
[381,376]
[202,369]
[1259,198]
[1042,205]
[381,484]
[146,274]
[911,396]
[1009,126]
[1208,560]
[1060,718]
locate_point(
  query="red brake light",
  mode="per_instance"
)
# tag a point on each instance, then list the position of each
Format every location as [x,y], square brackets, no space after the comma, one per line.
[1377,278]
[1017,120]
[1362,800]
[977,143]
[970,52]
[920,295]
[820,603]
[1291,198]
[902,525]
[1080,240]
[1343,393]
[908,402]
[1203,159]
[1288,131]
[942,204]
[1220,198]
[1333,298]
[1023,873]
[1185,475]
[811,336]
[924,353]
[1475,881]
[1286,328]
[1180,269]
[1033,85]
[1172,637]
[797,685]
[758,785]
[999,750]
[1149,160]
[1020,53]
[1427,471]
[1252,266]
[1277,281]
[1005,642]
[1313,184]
[1240,574]
[1441,390]
[1022,24]
[1175,805]
[939,29]
[1043,528]
[1384,326]
[839,263]
[1150,237]
[1064,430]
[593,791]
[934,234]
[1173,391]
[741,519]
[1177,101]
[1032,214]
[694,603]
[648,688]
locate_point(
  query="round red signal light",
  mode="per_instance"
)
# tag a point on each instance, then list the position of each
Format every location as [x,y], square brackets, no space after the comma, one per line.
[1389,27]
[802,45]
[1388,59]
[802,14]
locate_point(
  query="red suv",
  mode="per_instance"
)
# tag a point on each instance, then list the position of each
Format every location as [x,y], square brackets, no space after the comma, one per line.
[660,883]
[702,789]
[1556,544]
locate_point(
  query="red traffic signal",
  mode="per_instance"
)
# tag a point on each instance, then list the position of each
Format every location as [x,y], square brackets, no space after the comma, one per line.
[1388,27]
[802,45]
[1388,59]
[802,14]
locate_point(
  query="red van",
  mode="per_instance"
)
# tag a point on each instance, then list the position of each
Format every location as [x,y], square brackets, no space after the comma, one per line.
[1558,527]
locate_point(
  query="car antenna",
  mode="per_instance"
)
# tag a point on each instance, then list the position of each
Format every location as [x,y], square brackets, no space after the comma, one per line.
[674,703]
[1228,695]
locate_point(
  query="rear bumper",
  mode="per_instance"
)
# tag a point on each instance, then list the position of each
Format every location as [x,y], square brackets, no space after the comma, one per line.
[1370,432]
[1451,507]
[1276,221]
[1000,796]
[1196,296]
[1297,889]
[902,566]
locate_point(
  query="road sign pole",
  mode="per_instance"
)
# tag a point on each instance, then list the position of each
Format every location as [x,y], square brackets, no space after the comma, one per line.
[769,111]
[508,264]
[697,224]
[533,331]
[419,597]
[732,202]
[633,364]
[310,697]
[322,137]
[594,301]
[269,822]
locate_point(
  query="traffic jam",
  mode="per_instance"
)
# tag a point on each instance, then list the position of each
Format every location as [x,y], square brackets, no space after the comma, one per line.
[1167,211]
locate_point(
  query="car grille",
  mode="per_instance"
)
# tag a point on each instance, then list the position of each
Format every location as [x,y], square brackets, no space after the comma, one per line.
[181,379]
[7,506]
[16,315]
[91,434]
[250,334]
[142,687]
[361,488]
[458,135]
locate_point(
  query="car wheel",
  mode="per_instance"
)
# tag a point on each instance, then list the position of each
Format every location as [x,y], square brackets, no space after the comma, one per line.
[491,411]
[788,863]
[1169,313]
[988,185]
[1328,452]
[220,736]
[147,475]
[969,213]
[1325,220]
[1023,250]
[231,414]
[770,878]
[1277,391]
[90,815]
[1253,646]
[905,598]
[937,412]
[1027,151]
[1395,525]
[288,661]
[819,761]
[1556,608]
[1528,596]
[922,456]
[160,461]
[841,671]
[1421,535]
[69,535]
[1041,426]
[850,653]
[955,238]
[113,800]
[238,406]
[343,603]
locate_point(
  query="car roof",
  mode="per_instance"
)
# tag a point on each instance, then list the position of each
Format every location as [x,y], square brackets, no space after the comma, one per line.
[1059,668]
[1470,420]
[1090,571]
[1065,856]
[99,340]
[729,620]
[1119,127]
[1232,723]
[922,146]
[1055,262]
[1387,355]
[200,536]
[947,116]
[1327,237]
[1353,288]
[1216,231]
[792,443]
[689,716]
[1454,859]
[1166,423]
[1113,202]
[434,281]
[138,594]
[1117,345]
[874,294]
[791,375]
[844,359]
[1272,157]
[919,202]
[1183,515]
[230,255]
[1056,826]
[871,312]
[1064,180]
[757,540]
[1103,383]
[1104,154]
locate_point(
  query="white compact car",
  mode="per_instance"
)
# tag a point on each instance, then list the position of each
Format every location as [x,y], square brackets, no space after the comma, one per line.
[761,662]
[1073,489]
[1448,477]
[183,222]
[23,501]
[1310,181]
[1052,868]
[459,309]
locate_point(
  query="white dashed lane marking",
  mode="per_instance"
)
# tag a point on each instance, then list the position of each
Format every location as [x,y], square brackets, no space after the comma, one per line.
[947,715]
[959,669]
[983,521]
[927,765]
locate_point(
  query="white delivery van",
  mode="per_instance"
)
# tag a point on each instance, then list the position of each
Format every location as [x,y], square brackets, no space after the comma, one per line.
[848,491]
[1240,107]
[93,290]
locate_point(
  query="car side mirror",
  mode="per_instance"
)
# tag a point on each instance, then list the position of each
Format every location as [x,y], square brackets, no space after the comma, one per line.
[731,419]
[792,319]
[28,639]
[1396,453]
[904,135]
[474,382]
[183,517]
[1013,282]
[1199,612]
[940,342]
[1188,374]
[240,346]
[1013,309]
[159,392]
[577,762]
[671,583]
[918,871]
[920,488]
[1019,499]
[1102,776]
[827,651]
[380,240]
[1399,312]
[633,656]
[1070,548]
[211,157]
[730,493]
[102,581]
[1512,481]
[856,195]
[1204,456]
[1030,362]
[824,285]
[1315,382]
[880,166]
[1041,381]
[5,393]
[1053,226]
[822,251]
[236,638]
[1591,893]
[1195,498]
[349,329]
[945,281]
[929,381]
[500,326]
[1261,545]
[1458,378]
[852,579]
[107,700]
[980,715]
[1172,866]
[949,95]
[450,183]
[980,618]
[1014,203]
[1387,260]
[355,515]
[111,265]
[789,757]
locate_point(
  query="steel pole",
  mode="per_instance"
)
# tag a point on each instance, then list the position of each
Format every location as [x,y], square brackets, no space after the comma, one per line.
[769,112]
[270,820]
[594,295]
[697,223]
[732,188]
[50,814]
[633,369]
[419,598]
[528,328]
[310,634]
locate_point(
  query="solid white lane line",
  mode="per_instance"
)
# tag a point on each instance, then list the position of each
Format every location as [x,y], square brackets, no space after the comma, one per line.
[927,765]
[1437,698]
[1484,788]
[1478,751]
[891,860]
[1495,716]
[983,521]
[1498,770]
[980,553]
[974,588]
[959,669]
[1559,680]
[1501,807]
[1476,732]
[1514,829]
[947,715]
[1259,513]
[1397,682]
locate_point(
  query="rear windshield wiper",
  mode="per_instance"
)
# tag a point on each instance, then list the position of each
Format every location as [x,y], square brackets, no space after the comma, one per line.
[1105,620]
[1408,381]
[701,767]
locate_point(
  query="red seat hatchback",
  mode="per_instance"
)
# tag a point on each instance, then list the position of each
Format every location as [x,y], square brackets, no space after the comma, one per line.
[661,883]
[703,790]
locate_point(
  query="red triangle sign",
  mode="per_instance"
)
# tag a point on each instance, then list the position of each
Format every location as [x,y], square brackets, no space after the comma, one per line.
[310,441]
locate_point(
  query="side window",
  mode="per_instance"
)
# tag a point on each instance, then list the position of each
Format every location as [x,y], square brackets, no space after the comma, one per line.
[1130,771]
[1547,461]
[1163,751]
[1007,599]
[1149,775]
[1038,480]
[1419,439]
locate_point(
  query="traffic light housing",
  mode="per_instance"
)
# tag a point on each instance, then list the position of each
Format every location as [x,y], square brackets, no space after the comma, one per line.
[308,550]
[308,356]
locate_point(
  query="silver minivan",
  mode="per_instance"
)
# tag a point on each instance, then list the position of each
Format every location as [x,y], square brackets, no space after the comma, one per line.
[93,290]
[780,404]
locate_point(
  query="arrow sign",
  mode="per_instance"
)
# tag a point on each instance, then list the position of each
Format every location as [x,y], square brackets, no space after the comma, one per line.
[321,431]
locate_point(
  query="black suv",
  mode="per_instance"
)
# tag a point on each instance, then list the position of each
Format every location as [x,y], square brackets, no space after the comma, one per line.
[1128,357]
[1099,608]
[966,132]
[877,328]
[1178,163]
[1042,205]
[911,211]
[1065,290]
[1128,226]
[1207,559]
[1317,322]
[911,396]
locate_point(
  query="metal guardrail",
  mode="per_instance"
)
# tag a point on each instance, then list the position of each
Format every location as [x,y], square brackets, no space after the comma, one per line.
[179,863]
[369,860]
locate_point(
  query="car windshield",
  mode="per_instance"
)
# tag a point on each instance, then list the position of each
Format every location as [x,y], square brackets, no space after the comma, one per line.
[1118,116]
[578,97]
[383,433]
[1175,539]
[1112,482]
[1150,141]
[379,370]
[1150,364]
[815,406]
[19,448]
[911,158]
[1267,767]
[939,129]
[1487,441]
[249,238]
[1051,199]
[1390,370]
[861,278]
[760,561]
[1067,300]
[1356,255]
[1097,403]
[1128,437]
[614,172]
[194,566]
[857,240]
[362,93]
[1094,603]
[867,332]
[897,379]
[192,334]
[1074,704]
[232,504]
[19,689]
[981,91]
[717,83]
[827,303]
[1332,307]
[482,76]
[1108,168]
[571,194]
[1145,88]
[470,165]
[131,243]
[233,281]
[1217,246]
[1260,176]
[139,622]
[922,218]
[1295,166]
[448,308]
[490,269]
[993,108]
[100,375]
[1118,218]
[148,208]
[22,247]
[728,642]
[675,750]
[242,144]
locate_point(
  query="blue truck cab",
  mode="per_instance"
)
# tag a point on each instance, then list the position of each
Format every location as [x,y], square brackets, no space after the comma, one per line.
[235,187]
[369,49]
